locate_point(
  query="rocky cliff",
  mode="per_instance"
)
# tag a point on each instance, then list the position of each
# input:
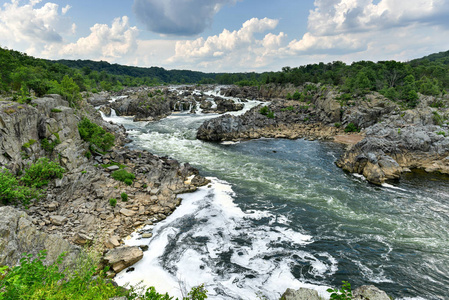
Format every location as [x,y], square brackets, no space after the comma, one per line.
[77,207]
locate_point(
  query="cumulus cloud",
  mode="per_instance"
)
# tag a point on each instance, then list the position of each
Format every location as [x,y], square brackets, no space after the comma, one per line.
[33,26]
[345,16]
[350,26]
[104,42]
[239,46]
[178,17]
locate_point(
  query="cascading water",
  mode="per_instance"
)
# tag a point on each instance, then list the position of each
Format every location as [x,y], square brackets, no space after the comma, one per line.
[282,215]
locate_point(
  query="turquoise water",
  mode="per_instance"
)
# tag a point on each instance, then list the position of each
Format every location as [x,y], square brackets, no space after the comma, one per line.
[281,214]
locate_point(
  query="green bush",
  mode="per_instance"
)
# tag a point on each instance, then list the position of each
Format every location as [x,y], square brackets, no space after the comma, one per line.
[33,279]
[56,110]
[437,118]
[99,139]
[113,202]
[351,127]
[270,115]
[337,125]
[124,197]
[264,110]
[39,173]
[344,293]
[296,95]
[50,146]
[124,176]
[29,144]
[11,191]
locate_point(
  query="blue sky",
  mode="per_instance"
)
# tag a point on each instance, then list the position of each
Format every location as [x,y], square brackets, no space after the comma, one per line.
[225,35]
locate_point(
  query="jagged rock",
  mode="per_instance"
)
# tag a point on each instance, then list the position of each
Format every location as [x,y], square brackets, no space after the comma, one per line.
[127,212]
[147,235]
[113,168]
[18,235]
[369,292]
[301,294]
[82,239]
[112,242]
[122,257]
[58,220]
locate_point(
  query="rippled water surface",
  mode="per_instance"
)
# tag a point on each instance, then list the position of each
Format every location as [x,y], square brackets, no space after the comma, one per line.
[279,214]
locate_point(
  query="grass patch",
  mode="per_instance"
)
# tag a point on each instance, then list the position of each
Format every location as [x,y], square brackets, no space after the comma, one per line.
[124,176]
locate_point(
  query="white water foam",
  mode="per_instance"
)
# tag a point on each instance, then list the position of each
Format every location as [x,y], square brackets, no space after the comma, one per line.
[191,245]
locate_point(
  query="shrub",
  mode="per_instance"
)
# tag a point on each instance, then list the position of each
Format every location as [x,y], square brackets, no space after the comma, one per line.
[437,118]
[113,202]
[270,115]
[39,173]
[124,176]
[33,279]
[351,127]
[124,197]
[264,110]
[337,125]
[11,191]
[50,146]
[56,110]
[29,144]
[99,139]
[344,293]
[296,95]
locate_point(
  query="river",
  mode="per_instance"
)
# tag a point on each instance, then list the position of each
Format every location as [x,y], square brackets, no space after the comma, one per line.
[279,214]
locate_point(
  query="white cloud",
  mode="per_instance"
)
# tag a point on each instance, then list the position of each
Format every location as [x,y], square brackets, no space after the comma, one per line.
[104,42]
[178,17]
[239,47]
[65,9]
[31,29]
[28,25]
[332,17]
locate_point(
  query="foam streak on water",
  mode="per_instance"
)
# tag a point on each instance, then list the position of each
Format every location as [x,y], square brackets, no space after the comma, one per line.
[232,257]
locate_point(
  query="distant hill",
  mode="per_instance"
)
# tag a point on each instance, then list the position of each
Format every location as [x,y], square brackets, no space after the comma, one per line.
[441,57]
[163,76]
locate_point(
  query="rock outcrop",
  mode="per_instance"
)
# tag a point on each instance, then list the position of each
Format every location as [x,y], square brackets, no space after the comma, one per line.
[396,146]
[77,207]
[289,119]
[369,292]
[365,292]
[122,257]
[18,235]
[301,294]
[395,140]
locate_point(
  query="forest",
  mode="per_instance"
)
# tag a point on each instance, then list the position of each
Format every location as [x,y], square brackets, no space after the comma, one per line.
[22,75]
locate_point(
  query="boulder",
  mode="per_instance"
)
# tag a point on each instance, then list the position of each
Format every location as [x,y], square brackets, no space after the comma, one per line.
[301,294]
[122,257]
[369,292]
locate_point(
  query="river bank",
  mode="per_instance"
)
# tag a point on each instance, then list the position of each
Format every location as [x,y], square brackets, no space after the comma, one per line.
[276,190]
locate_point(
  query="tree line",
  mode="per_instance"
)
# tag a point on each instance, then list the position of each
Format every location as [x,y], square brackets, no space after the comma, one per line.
[20,74]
